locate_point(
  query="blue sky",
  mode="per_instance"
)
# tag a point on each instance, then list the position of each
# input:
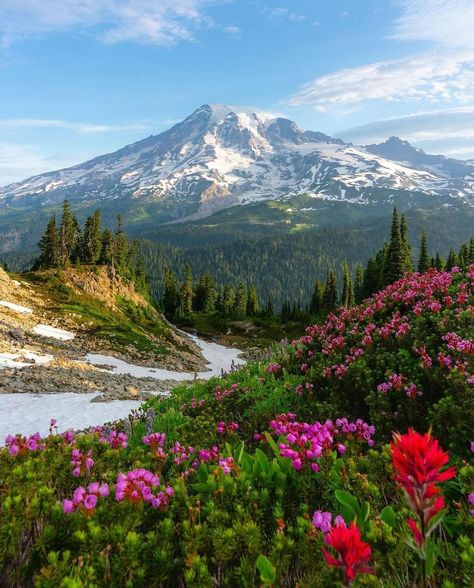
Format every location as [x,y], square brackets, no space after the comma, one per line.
[79,78]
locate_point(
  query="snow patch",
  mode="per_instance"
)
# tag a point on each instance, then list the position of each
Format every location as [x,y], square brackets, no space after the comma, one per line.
[16,307]
[53,332]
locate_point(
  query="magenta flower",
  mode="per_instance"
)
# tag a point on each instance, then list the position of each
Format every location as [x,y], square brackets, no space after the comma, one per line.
[84,499]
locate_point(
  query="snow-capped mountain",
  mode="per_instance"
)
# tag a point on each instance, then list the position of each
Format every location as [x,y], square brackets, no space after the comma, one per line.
[220,156]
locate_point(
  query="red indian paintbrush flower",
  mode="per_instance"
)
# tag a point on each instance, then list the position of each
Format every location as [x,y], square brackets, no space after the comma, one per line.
[353,552]
[417,460]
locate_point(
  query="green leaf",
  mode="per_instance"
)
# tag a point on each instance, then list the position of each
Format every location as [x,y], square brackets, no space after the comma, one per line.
[267,570]
[346,499]
[388,516]
[201,487]
[364,512]
[203,473]
[272,444]
[430,557]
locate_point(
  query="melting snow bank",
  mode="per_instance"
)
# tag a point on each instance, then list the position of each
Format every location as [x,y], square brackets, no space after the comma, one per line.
[16,307]
[218,357]
[28,413]
[47,331]
[8,360]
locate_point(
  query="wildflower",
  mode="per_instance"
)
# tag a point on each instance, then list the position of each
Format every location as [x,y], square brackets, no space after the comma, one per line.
[19,445]
[352,551]
[81,462]
[139,486]
[85,499]
[417,460]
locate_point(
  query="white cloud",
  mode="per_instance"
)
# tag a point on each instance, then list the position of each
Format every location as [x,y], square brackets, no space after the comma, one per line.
[448,131]
[446,22]
[159,22]
[444,74]
[78,127]
[18,162]
[433,77]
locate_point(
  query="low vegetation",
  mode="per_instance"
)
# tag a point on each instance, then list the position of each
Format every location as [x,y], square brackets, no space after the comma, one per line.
[282,473]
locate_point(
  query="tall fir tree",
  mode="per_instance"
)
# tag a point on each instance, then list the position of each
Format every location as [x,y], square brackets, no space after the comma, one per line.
[91,245]
[205,293]
[253,302]
[170,294]
[330,293]
[49,246]
[69,236]
[347,294]
[359,283]
[423,258]
[240,306]
[406,247]
[394,266]
[316,304]
[228,301]
[452,260]
[186,294]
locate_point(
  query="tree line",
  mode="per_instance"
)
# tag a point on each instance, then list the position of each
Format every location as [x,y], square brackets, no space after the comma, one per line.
[388,265]
[181,300]
[66,243]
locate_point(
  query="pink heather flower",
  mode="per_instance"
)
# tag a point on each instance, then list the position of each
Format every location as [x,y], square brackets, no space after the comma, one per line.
[90,501]
[470,499]
[19,445]
[138,486]
[68,506]
[53,422]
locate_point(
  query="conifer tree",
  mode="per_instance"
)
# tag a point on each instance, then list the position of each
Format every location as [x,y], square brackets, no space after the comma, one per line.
[330,293]
[91,239]
[423,259]
[347,295]
[359,284]
[439,262]
[170,294]
[186,294]
[240,300]
[49,246]
[107,250]
[452,260]
[228,299]
[470,257]
[205,294]
[316,304]
[406,247]
[69,236]
[253,302]
[120,247]
[395,262]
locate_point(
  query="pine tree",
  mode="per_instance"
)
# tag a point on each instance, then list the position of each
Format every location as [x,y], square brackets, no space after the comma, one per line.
[452,260]
[395,262]
[423,259]
[330,293]
[253,302]
[240,305]
[228,299]
[91,246]
[316,304]
[121,248]
[170,294]
[471,251]
[359,284]
[347,295]
[186,294]
[439,262]
[49,247]
[406,247]
[107,250]
[69,236]
[205,294]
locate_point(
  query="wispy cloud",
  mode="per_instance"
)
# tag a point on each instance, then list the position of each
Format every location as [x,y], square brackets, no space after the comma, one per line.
[158,22]
[20,161]
[444,73]
[78,127]
[445,22]
[433,77]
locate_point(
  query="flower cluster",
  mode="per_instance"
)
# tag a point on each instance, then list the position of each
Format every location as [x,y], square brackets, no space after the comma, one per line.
[140,486]
[19,445]
[86,499]
[115,439]
[273,368]
[81,462]
[223,427]
[156,442]
[306,443]
[323,521]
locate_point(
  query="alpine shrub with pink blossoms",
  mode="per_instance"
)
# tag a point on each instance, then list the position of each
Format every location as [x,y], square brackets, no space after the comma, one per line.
[277,474]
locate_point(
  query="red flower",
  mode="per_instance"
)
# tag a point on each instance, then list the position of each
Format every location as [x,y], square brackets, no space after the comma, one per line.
[418,460]
[353,552]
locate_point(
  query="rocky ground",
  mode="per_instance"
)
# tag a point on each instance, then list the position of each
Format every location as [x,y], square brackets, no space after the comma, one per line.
[30,362]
